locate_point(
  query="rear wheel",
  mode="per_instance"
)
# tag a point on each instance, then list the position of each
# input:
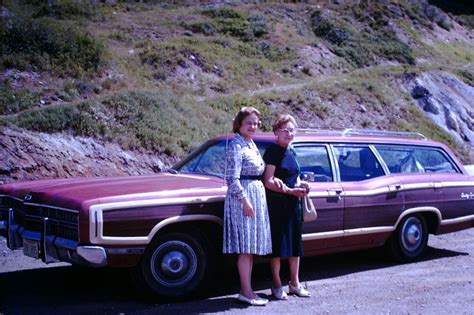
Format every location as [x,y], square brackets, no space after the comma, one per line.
[175,264]
[410,240]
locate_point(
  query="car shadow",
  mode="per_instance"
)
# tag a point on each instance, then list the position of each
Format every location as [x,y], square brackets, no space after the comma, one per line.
[79,290]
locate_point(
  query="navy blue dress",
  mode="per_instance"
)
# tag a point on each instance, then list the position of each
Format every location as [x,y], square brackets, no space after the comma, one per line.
[284,210]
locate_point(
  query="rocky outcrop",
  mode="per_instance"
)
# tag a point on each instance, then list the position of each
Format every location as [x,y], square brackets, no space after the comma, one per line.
[448,101]
[26,155]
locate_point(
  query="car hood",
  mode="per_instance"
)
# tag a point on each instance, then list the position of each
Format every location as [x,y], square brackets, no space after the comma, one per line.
[80,193]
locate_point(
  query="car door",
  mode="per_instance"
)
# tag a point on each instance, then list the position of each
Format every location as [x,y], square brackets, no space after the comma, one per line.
[372,200]
[317,165]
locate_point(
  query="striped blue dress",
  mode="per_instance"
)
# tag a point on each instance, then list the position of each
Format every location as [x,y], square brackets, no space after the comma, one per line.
[243,234]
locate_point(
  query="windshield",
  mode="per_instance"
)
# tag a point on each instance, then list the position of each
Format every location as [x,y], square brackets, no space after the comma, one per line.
[209,159]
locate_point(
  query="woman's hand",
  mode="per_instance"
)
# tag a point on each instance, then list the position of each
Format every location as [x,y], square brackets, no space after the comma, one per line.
[298,192]
[248,209]
[304,185]
[280,184]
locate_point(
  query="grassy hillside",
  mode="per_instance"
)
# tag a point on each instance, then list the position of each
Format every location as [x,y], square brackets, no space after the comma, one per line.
[164,76]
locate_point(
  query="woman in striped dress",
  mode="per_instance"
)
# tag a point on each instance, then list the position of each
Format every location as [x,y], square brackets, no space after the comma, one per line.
[246,222]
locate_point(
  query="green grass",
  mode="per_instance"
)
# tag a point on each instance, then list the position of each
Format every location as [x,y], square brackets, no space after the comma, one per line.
[158,121]
[454,53]
[238,61]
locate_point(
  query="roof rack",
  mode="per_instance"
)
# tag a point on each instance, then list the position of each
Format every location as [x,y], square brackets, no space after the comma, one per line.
[365,132]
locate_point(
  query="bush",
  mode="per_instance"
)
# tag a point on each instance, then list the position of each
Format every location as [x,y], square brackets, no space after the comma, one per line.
[224,13]
[467,76]
[206,28]
[47,44]
[258,25]
[67,9]
[13,101]
[79,120]
[361,48]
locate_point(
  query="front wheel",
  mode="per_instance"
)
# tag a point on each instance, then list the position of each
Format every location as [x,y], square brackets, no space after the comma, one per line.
[410,239]
[175,264]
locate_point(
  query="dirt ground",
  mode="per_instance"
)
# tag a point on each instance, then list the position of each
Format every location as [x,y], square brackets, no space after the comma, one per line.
[353,283]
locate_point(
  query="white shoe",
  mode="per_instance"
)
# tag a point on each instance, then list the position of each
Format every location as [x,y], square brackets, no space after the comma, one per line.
[299,290]
[279,293]
[257,301]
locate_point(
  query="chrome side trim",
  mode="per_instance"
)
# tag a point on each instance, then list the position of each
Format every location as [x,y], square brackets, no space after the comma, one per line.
[96,224]
[96,214]
[458,220]
[345,233]
[370,230]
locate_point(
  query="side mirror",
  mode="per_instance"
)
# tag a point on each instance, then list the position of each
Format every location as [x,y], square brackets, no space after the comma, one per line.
[307,176]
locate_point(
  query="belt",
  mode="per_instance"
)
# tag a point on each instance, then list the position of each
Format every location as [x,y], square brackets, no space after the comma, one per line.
[251,177]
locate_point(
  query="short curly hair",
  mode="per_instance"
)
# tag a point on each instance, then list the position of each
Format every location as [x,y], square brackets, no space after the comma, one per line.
[240,116]
[283,119]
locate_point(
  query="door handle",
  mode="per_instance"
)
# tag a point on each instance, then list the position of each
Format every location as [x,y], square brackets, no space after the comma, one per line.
[335,193]
[395,187]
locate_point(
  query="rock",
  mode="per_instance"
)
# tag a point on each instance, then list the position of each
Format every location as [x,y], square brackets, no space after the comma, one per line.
[428,106]
[27,155]
[419,92]
[451,121]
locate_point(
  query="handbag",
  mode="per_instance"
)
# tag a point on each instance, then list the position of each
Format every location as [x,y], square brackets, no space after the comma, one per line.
[309,211]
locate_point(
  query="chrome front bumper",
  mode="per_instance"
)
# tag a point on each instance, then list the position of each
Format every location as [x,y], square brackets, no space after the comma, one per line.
[51,248]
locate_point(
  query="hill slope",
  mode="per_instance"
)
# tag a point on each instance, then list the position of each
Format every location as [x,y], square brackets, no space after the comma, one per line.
[151,81]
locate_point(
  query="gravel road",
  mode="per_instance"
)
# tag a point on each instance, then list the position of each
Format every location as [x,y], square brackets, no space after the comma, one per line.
[353,283]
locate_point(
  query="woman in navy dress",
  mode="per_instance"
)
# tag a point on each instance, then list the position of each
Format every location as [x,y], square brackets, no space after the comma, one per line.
[284,206]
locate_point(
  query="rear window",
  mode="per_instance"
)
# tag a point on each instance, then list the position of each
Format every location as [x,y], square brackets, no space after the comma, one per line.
[413,159]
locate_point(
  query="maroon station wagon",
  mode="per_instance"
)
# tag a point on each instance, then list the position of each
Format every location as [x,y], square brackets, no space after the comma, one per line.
[370,188]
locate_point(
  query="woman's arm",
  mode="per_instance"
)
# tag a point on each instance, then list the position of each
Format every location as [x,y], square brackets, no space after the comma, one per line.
[273,183]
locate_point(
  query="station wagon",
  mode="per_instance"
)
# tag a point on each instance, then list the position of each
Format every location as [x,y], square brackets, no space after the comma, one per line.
[370,188]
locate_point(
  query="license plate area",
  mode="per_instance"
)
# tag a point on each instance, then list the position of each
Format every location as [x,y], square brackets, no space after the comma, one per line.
[31,248]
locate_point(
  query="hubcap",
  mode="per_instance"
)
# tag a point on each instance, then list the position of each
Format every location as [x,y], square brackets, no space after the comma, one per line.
[173,263]
[412,232]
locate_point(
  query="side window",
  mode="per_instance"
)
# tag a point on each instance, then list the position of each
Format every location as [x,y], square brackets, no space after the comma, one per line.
[357,163]
[315,159]
[412,159]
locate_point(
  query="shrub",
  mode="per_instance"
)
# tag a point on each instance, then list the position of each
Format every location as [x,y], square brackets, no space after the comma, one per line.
[361,48]
[45,44]
[13,101]
[258,25]
[206,28]
[224,13]
[67,9]
[77,119]
[272,52]
[467,76]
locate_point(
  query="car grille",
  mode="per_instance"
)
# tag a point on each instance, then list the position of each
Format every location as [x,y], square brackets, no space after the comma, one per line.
[61,222]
